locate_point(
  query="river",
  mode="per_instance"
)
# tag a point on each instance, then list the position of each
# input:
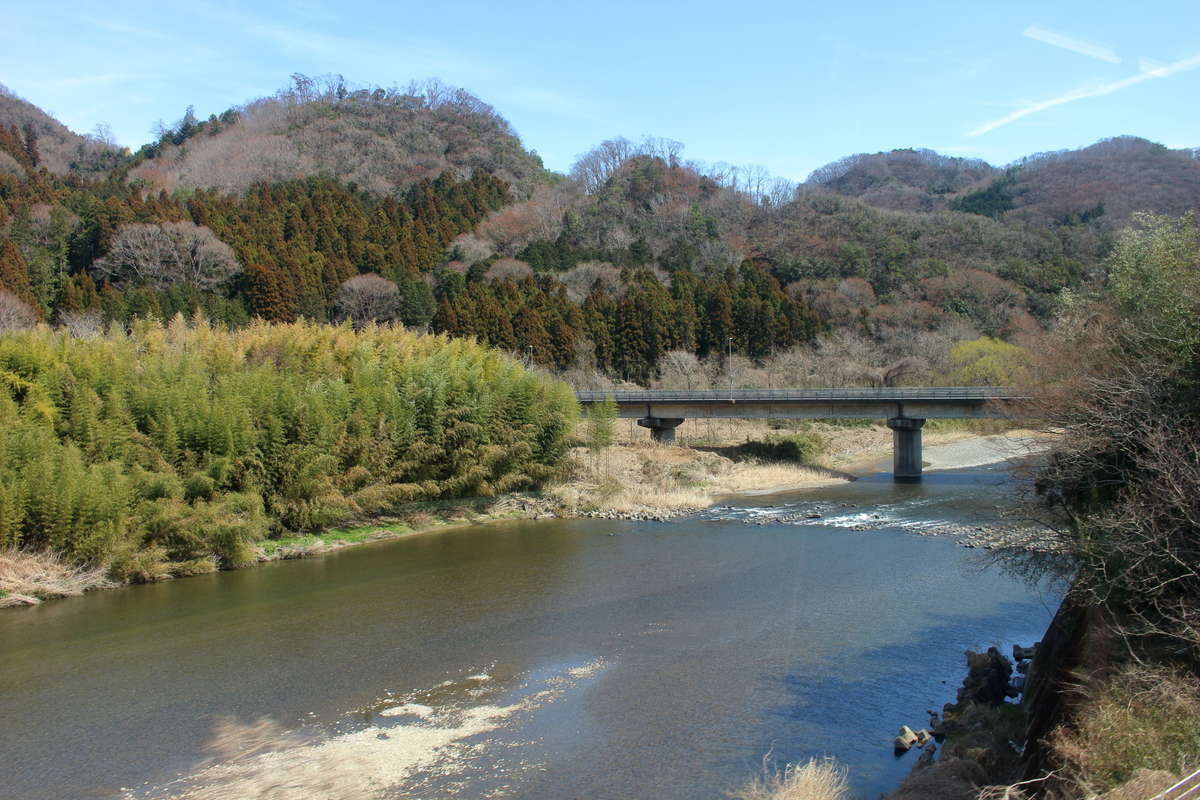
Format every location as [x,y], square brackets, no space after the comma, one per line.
[553,659]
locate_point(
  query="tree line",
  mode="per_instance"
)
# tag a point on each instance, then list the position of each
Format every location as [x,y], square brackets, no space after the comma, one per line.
[321,250]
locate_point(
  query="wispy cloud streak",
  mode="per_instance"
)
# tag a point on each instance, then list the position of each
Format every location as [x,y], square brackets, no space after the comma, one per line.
[1080,46]
[1084,93]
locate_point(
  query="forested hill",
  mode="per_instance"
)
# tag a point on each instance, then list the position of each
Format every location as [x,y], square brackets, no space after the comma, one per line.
[380,140]
[1106,182]
[421,205]
[46,142]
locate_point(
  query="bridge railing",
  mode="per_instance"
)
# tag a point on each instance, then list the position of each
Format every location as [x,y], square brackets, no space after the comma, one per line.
[900,394]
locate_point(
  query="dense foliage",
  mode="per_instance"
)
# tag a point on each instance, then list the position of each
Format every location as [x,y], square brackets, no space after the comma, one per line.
[1124,383]
[183,443]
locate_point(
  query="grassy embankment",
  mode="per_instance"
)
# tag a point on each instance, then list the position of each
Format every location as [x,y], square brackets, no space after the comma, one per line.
[176,450]
[716,458]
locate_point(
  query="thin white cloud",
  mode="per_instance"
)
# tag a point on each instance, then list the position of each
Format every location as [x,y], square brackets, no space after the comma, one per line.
[413,57]
[1080,46]
[83,81]
[177,44]
[1084,93]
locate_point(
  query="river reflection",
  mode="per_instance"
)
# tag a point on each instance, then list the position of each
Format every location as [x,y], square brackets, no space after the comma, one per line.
[638,659]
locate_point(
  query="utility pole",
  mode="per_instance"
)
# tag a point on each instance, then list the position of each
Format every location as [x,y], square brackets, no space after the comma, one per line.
[729,367]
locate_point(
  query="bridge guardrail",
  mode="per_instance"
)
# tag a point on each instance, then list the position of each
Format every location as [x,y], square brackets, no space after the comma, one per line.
[900,394]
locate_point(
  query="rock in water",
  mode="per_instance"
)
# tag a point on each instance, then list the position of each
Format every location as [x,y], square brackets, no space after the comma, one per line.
[1024,653]
[904,742]
[927,754]
[987,679]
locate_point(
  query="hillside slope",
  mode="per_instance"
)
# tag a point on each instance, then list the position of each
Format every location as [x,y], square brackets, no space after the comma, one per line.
[908,180]
[421,205]
[1105,182]
[381,140]
[58,149]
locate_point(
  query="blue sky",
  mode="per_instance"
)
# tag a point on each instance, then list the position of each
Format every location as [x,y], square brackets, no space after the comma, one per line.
[790,86]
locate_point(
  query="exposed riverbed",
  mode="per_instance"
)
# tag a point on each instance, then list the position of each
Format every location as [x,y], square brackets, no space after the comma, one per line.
[552,659]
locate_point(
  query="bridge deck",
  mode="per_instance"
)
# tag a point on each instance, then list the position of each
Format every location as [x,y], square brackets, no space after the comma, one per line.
[945,402]
[905,408]
[781,396]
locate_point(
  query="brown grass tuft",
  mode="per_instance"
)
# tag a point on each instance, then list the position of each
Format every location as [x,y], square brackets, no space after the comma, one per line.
[819,779]
[27,578]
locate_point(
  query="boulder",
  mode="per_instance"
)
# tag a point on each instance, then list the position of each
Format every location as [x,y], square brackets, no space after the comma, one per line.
[927,754]
[904,742]
[987,679]
[1024,653]
[924,737]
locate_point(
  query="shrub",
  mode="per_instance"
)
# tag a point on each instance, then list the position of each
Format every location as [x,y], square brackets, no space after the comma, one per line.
[1142,717]
[802,448]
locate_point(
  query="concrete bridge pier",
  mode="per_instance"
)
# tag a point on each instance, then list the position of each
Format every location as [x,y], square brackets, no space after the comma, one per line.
[906,448]
[662,429]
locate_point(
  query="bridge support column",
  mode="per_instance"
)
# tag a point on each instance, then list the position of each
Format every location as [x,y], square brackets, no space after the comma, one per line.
[906,448]
[662,429]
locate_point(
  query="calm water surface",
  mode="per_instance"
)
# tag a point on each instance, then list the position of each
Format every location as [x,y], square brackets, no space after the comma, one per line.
[636,659]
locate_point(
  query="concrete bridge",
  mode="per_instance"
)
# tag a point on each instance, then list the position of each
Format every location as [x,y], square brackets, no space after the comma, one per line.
[905,410]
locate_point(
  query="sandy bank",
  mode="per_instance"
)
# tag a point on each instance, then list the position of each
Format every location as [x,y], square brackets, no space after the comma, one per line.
[638,479]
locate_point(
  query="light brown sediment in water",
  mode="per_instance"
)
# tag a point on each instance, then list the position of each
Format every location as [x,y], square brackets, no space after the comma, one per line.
[262,760]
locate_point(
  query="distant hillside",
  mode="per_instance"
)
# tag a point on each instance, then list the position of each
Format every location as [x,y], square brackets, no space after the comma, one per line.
[1116,176]
[421,205]
[57,149]
[381,140]
[1105,183]
[908,180]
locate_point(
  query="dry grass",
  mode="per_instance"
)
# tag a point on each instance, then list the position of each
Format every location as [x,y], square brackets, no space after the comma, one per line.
[819,779]
[639,476]
[27,578]
[1140,718]
[665,479]
[845,444]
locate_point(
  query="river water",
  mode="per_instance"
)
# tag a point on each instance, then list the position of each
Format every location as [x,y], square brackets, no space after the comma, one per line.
[555,659]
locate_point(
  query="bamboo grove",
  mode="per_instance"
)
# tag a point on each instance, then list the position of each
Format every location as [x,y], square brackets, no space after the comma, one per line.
[175,448]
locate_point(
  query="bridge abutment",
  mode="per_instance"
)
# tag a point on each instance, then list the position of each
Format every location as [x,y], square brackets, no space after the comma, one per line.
[906,448]
[662,429]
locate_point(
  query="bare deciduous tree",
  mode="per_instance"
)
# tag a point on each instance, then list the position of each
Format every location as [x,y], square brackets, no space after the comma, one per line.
[14,314]
[596,166]
[159,256]
[580,279]
[679,369]
[368,298]
[508,268]
[82,324]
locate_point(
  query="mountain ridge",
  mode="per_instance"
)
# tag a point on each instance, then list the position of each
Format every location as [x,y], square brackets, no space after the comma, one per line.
[636,254]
